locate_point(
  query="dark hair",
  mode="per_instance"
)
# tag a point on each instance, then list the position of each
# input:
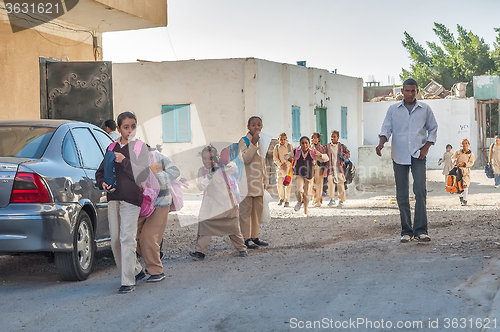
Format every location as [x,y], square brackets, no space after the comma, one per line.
[449,145]
[318,135]
[253,117]
[110,124]
[282,134]
[410,81]
[307,138]
[211,149]
[336,132]
[125,115]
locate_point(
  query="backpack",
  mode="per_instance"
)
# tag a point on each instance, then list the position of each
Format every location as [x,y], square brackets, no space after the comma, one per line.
[349,172]
[177,195]
[454,181]
[234,179]
[150,187]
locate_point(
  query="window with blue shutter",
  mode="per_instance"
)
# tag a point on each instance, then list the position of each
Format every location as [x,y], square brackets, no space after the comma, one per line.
[295,123]
[343,131]
[176,120]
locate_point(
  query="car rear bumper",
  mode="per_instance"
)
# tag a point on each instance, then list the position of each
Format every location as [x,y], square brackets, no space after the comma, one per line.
[37,227]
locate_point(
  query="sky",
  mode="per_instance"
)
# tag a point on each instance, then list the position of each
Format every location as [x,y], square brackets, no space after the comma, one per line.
[360,38]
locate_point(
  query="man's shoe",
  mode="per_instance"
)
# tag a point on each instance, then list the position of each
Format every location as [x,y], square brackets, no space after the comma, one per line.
[139,276]
[298,206]
[126,289]
[281,202]
[406,238]
[197,256]
[244,253]
[464,202]
[251,245]
[287,204]
[332,203]
[156,277]
[259,242]
[423,237]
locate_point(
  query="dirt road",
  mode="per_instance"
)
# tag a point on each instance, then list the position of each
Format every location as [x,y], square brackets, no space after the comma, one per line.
[339,269]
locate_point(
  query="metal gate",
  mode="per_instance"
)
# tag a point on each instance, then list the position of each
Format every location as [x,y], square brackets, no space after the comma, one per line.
[79,91]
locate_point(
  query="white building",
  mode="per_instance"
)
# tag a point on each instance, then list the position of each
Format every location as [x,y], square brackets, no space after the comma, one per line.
[185,105]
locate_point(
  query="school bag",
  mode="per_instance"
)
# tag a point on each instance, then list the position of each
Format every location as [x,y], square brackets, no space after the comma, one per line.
[235,178]
[150,187]
[454,182]
[349,172]
[176,193]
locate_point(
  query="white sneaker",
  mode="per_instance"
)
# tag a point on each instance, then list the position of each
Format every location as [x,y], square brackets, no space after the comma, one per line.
[298,206]
[496,186]
[406,238]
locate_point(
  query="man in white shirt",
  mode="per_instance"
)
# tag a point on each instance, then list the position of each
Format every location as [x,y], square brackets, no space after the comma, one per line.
[414,129]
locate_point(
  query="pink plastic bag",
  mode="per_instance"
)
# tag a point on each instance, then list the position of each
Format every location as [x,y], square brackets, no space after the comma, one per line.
[176,192]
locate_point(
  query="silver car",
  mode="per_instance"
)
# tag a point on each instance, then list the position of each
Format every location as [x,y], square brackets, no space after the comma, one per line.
[49,201]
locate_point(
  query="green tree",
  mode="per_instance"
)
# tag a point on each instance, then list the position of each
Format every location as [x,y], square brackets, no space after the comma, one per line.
[455,60]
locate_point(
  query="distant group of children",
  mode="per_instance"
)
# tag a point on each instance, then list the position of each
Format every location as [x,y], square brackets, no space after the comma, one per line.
[312,165]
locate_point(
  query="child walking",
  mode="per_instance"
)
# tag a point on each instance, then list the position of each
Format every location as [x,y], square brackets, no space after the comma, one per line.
[124,201]
[448,163]
[464,159]
[150,230]
[304,158]
[338,153]
[283,165]
[319,170]
[219,209]
[253,186]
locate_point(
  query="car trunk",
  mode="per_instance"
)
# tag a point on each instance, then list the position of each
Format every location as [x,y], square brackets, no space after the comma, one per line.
[8,170]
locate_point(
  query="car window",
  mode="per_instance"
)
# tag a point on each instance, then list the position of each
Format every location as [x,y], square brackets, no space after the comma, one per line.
[24,141]
[69,153]
[89,149]
[103,138]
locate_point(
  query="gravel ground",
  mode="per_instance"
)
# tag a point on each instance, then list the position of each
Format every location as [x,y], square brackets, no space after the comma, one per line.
[337,263]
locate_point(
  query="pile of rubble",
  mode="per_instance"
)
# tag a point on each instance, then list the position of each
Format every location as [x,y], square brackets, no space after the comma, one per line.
[433,90]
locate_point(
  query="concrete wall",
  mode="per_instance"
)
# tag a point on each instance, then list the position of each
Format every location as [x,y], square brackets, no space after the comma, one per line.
[213,88]
[223,94]
[372,169]
[455,118]
[151,10]
[20,62]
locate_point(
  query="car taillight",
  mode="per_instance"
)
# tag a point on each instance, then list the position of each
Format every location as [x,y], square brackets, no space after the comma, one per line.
[29,188]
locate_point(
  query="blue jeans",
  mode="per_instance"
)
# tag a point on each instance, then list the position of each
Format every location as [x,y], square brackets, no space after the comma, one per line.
[401,175]
[497,179]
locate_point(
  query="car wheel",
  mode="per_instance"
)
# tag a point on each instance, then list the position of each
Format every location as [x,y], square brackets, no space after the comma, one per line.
[76,265]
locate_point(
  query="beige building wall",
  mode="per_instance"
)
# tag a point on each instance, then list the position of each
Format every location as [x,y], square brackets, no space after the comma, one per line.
[152,10]
[69,37]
